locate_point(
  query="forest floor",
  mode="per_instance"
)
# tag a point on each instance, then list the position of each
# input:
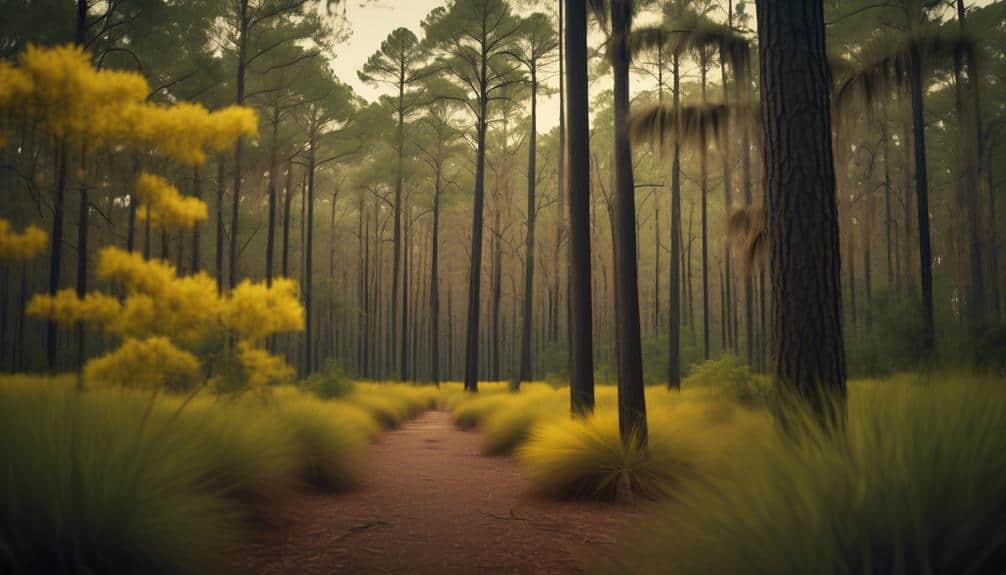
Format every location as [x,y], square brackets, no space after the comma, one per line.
[432,503]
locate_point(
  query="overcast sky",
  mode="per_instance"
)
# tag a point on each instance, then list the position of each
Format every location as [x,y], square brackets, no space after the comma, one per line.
[372,20]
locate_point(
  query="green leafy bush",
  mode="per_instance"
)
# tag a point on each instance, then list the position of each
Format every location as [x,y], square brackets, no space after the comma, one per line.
[730,376]
[331,383]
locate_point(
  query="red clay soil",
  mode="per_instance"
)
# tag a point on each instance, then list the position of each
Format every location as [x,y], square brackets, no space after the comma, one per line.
[432,503]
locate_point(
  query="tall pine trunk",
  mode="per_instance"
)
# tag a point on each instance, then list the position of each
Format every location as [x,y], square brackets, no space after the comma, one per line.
[631,401]
[526,366]
[674,303]
[804,265]
[922,201]
[578,195]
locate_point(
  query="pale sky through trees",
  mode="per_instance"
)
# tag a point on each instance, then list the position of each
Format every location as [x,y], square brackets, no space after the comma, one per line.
[372,21]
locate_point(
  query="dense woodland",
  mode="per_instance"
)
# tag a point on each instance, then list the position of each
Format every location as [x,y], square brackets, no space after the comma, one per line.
[369,205]
[742,257]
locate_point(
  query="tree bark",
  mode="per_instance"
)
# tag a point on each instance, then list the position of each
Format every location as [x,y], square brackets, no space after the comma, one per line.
[805,266]
[674,300]
[435,282]
[287,201]
[475,267]
[922,202]
[526,367]
[197,192]
[221,174]
[631,401]
[270,244]
[308,288]
[239,98]
[56,253]
[578,193]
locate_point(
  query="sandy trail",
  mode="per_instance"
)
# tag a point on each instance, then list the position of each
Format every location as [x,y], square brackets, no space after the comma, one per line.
[432,503]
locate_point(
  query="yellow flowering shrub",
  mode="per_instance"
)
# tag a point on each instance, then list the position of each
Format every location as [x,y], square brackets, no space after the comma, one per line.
[187,313]
[151,363]
[132,272]
[66,308]
[255,311]
[15,247]
[78,102]
[262,368]
[165,205]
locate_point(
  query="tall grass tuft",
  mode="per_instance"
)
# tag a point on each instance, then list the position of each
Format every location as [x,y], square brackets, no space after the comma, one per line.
[916,483]
[89,485]
[690,436]
[329,448]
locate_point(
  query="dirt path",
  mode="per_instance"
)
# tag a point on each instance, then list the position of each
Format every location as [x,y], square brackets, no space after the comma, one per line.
[433,504]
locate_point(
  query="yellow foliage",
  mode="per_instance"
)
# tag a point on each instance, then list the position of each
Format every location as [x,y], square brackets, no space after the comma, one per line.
[186,309]
[67,309]
[132,272]
[148,363]
[15,247]
[255,311]
[82,104]
[262,368]
[161,311]
[165,205]
[72,98]
[182,130]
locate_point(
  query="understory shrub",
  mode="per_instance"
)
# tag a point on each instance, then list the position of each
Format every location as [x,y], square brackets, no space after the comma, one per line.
[916,483]
[118,481]
[90,485]
[331,383]
[732,378]
[510,423]
[690,435]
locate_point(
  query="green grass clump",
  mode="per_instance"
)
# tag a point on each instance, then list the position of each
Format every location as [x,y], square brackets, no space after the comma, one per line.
[252,452]
[391,404]
[329,445]
[110,481]
[330,383]
[89,485]
[586,459]
[510,423]
[916,483]
[473,412]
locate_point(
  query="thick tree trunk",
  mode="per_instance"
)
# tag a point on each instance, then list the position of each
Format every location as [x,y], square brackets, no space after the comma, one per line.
[578,193]
[805,266]
[972,172]
[631,401]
